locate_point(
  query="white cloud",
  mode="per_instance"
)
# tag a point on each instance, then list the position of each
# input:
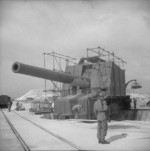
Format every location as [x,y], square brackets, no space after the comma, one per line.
[147,77]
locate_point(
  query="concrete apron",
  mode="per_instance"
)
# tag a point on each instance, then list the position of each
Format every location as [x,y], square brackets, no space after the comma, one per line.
[36,138]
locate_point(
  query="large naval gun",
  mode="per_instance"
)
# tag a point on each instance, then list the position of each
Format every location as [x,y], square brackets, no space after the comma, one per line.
[81,83]
[62,77]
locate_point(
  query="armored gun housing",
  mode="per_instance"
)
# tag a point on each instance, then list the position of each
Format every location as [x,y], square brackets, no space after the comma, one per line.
[81,83]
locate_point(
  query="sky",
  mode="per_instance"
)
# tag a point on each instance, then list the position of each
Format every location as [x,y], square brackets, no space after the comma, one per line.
[31,27]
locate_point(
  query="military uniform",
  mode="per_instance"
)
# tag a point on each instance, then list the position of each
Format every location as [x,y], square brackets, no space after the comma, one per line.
[100,109]
[76,109]
[9,105]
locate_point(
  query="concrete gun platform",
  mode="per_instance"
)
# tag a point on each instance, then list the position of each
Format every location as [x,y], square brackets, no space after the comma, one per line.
[123,135]
[8,140]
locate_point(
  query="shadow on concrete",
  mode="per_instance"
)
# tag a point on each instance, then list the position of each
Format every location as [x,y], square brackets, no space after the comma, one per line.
[117,137]
[88,121]
[144,138]
[122,126]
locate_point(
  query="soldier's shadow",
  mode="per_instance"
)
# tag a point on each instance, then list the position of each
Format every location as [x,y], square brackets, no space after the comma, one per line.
[117,137]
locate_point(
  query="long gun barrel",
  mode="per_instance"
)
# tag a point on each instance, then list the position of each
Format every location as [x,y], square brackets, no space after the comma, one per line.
[21,68]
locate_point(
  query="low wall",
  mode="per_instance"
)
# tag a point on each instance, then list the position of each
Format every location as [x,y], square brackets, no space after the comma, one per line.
[48,115]
[136,114]
[131,114]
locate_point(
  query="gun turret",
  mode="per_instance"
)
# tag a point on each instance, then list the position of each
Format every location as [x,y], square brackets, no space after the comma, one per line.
[82,82]
[21,68]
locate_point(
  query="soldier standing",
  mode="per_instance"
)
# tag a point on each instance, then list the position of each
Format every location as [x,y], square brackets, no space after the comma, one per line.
[134,102]
[100,110]
[76,109]
[9,105]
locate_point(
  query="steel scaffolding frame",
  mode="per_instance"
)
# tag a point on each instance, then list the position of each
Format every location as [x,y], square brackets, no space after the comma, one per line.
[107,55]
[57,66]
